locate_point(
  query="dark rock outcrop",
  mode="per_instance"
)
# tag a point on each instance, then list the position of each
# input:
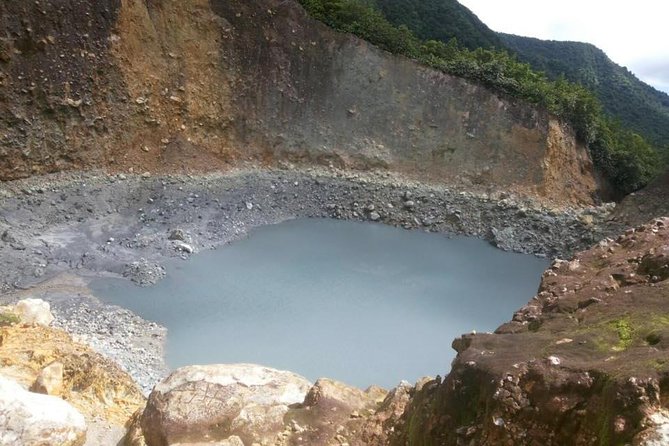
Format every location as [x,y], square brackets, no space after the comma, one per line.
[584,363]
[650,202]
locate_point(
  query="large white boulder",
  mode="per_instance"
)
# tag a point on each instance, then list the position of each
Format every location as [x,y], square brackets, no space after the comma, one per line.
[34,312]
[213,403]
[32,419]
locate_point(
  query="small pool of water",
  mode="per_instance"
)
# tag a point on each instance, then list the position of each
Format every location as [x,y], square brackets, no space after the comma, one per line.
[358,302]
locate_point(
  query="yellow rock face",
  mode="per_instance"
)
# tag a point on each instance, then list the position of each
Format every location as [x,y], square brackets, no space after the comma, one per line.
[91,383]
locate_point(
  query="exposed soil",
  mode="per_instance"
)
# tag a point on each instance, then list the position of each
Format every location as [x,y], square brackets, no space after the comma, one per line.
[201,86]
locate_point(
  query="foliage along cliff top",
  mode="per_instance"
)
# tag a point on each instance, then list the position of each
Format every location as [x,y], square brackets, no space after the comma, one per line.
[626,159]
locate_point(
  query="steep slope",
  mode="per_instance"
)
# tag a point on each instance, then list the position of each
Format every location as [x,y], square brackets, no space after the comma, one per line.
[144,85]
[583,363]
[440,20]
[649,202]
[637,104]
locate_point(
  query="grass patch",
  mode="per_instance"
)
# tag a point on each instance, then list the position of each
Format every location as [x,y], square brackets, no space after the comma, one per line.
[7,318]
[625,334]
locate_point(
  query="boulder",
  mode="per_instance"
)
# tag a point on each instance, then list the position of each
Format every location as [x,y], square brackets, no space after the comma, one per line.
[215,402]
[50,380]
[329,393]
[31,419]
[34,312]
[184,247]
[177,234]
[332,413]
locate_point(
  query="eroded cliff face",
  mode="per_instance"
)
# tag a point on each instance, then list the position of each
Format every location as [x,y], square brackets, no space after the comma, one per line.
[171,85]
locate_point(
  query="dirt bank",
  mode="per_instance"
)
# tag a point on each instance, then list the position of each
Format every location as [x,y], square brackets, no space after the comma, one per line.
[173,86]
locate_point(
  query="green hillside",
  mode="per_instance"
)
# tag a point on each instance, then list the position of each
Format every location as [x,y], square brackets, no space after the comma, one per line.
[638,105]
[440,20]
[623,96]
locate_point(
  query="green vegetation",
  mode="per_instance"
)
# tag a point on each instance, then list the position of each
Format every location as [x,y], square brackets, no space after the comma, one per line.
[624,157]
[625,334]
[7,318]
[636,104]
[440,20]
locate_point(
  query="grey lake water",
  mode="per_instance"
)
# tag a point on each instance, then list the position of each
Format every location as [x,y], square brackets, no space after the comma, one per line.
[359,302]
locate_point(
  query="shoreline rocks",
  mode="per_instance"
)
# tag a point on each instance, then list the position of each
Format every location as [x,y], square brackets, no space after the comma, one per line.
[584,362]
[91,224]
[97,233]
[214,402]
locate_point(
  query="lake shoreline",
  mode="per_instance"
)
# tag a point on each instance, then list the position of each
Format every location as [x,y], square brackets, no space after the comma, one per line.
[95,224]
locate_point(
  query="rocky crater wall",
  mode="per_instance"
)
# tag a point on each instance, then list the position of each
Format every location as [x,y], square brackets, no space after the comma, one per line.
[167,85]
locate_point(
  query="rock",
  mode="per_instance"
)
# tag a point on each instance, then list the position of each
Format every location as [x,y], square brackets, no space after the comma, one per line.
[249,205]
[232,441]
[331,393]
[215,402]
[184,247]
[31,419]
[613,359]
[34,312]
[331,410]
[50,380]
[657,432]
[10,239]
[72,103]
[7,237]
[554,360]
[144,273]
[374,216]
[376,429]
[409,204]
[177,234]
[656,264]
[503,238]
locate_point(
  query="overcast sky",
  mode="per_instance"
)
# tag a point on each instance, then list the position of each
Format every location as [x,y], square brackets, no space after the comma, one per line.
[632,33]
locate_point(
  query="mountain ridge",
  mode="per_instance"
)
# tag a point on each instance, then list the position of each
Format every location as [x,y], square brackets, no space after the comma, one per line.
[638,105]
